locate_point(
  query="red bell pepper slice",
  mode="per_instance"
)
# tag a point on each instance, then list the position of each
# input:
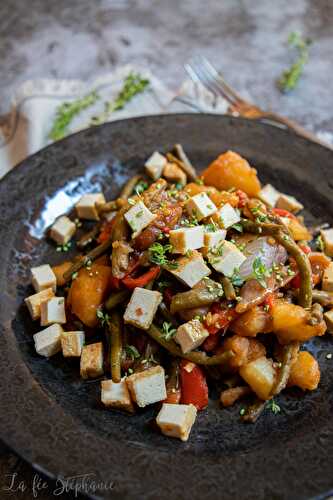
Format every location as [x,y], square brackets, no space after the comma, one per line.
[106,231]
[194,389]
[283,213]
[142,280]
[222,318]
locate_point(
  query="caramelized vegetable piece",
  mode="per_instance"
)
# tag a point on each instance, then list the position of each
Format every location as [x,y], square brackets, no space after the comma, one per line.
[230,170]
[305,372]
[88,292]
[244,349]
[260,375]
[297,230]
[252,322]
[230,396]
[60,270]
[194,389]
[291,322]
[217,197]
[167,218]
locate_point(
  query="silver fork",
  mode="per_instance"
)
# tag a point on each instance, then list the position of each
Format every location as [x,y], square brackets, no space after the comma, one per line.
[200,70]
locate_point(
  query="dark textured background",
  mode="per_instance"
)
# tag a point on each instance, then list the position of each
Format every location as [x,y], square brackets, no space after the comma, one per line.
[245,38]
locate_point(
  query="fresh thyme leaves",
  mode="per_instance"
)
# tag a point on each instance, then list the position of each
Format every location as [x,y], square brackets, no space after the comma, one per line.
[320,244]
[211,227]
[65,247]
[260,272]
[157,255]
[134,84]
[140,187]
[192,222]
[274,407]
[291,76]
[67,111]
[168,331]
[103,318]
[132,352]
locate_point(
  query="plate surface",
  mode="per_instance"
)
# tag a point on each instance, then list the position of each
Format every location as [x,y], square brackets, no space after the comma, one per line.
[53,419]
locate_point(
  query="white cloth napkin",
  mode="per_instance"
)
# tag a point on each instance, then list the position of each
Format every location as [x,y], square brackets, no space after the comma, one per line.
[26,128]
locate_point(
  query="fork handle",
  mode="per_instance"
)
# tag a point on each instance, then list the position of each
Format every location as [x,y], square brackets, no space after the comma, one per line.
[292,125]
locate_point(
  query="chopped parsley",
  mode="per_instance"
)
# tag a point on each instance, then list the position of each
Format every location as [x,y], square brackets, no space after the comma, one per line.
[103,318]
[168,331]
[132,352]
[236,279]
[139,214]
[211,227]
[191,222]
[260,272]
[290,77]
[65,247]
[140,187]
[157,255]
[274,407]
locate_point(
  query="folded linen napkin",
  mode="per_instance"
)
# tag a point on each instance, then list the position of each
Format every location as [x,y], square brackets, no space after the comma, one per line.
[26,128]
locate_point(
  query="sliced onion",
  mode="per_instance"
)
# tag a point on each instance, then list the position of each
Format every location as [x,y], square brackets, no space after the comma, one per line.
[268,254]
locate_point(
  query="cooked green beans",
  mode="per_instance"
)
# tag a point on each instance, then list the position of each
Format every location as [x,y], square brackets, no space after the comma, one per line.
[110,206]
[254,411]
[289,356]
[120,230]
[200,358]
[116,346]
[210,292]
[89,236]
[129,187]
[116,298]
[186,164]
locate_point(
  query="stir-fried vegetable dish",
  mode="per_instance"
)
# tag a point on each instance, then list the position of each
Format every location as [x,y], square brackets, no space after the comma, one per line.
[186,283]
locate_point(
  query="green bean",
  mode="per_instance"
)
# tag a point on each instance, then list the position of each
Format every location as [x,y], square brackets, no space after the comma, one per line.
[197,297]
[90,257]
[228,288]
[89,236]
[116,346]
[116,298]
[186,164]
[129,187]
[254,411]
[283,237]
[322,297]
[200,358]
[289,356]
[110,206]
[120,230]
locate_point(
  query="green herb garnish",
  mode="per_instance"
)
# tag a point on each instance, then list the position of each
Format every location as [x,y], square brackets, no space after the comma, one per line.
[320,243]
[274,407]
[65,247]
[260,272]
[291,76]
[103,318]
[132,352]
[168,331]
[236,278]
[67,111]
[157,255]
[237,227]
[140,187]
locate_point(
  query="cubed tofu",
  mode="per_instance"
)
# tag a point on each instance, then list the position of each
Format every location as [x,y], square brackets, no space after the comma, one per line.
[87,206]
[328,316]
[116,395]
[141,309]
[139,217]
[91,363]
[226,258]
[260,375]
[43,277]
[191,269]
[53,311]
[176,420]
[327,283]
[200,206]
[228,216]
[173,173]
[269,195]
[289,203]
[213,239]
[187,238]
[147,387]
[155,164]
[48,341]
[34,302]
[327,237]
[191,335]
[62,230]
[72,344]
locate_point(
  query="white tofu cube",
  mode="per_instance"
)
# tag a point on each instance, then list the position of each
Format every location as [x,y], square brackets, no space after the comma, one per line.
[34,302]
[231,258]
[147,387]
[228,216]
[141,309]
[139,217]
[289,203]
[155,164]
[327,237]
[91,363]
[328,316]
[176,420]
[200,206]
[269,195]
[43,277]
[62,230]
[187,238]
[48,341]
[72,344]
[327,283]
[53,311]
[192,269]
[116,395]
[87,206]
[213,239]
[191,335]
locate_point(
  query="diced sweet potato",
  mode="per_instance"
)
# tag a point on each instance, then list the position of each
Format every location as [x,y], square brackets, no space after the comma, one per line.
[260,375]
[291,322]
[59,271]
[305,372]
[230,170]
[88,291]
[252,322]
[244,349]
